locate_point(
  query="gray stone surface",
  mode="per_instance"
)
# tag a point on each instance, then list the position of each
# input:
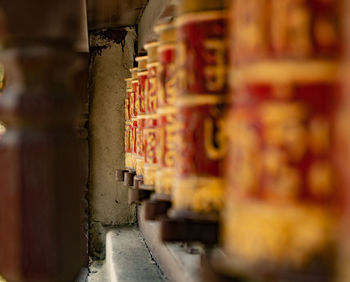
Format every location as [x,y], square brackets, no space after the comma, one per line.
[132,256]
[180,263]
[128,258]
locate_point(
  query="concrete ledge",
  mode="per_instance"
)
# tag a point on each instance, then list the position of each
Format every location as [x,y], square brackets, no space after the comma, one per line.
[135,254]
[177,262]
[128,258]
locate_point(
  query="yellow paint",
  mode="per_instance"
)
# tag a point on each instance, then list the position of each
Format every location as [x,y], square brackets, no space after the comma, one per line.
[133,160]
[199,194]
[255,231]
[201,16]
[215,74]
[149,174]
[128,160]
[164,180]
[218,150]
[140,163]
[286,72]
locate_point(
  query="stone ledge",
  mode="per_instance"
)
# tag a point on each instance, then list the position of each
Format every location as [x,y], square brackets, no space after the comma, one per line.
[137,254]
[128,258]
[178,262]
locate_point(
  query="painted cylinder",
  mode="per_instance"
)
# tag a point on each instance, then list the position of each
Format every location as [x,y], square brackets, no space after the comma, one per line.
[140,112]
[282,189]
[133,117]
[343,155]
[202,92]
[166,131]
[128,159]
[151,99]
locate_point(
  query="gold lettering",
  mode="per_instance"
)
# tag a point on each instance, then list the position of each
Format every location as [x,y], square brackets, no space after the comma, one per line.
[283,180]
[244,155]
[141,98]
[249,28]
[132,104]
[170,84]
[152,94]
[147,94]
[216,74]
[170,144]
[133,140]
[283,126]
[211,135]
[137,100]
[286,138]
[161,145]
[320,178]
[182,71]
[160,81]
[151,145]
[290,26]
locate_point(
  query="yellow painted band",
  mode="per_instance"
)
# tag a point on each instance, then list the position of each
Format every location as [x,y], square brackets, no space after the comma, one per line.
[141,73]
[167,110]
[151,116]
[199,99]
[286,71]
[155,64]
[201,16]
[143,58]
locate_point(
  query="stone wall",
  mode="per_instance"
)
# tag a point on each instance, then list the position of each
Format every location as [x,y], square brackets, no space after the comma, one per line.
[112,54]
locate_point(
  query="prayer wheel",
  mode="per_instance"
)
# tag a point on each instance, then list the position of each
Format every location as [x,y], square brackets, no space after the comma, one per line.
[202,92]
[151,105]
[133,116]
[282,186]
[140,115]
[166,139]
[128,126]
[202,58]
[128,172]
[160,202]
[344,149]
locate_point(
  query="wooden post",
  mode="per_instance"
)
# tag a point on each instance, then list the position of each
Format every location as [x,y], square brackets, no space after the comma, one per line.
[39,179]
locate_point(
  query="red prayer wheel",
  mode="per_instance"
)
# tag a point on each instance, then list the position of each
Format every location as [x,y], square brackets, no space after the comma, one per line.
[133,116]
[128,127]
[344,149]
[151,105]
[202,91]
[140,113]
[166,132]
[282,185]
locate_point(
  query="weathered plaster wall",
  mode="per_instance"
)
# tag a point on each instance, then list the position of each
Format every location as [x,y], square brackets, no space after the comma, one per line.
[112,55]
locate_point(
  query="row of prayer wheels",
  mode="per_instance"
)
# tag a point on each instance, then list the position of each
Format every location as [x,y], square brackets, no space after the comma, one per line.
[239,115]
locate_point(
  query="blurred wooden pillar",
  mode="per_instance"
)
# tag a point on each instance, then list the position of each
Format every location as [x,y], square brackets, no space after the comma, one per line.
[40,226]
